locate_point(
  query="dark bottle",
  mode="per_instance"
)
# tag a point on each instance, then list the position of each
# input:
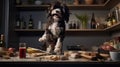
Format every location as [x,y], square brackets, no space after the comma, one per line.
[109,20]
[23,23]
[30,24]
[93,22]
[18,2]
[117,14]
[2,41]
[18,22]
[113,17]
[74,25]
[30,1]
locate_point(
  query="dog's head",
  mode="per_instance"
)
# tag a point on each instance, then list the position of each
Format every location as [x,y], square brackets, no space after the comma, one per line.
[58,11]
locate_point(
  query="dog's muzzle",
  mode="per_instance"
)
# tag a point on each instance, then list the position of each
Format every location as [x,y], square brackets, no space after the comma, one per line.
[58,15]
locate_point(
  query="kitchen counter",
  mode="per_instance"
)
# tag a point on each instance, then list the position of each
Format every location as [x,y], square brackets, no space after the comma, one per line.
[15,61]
[45,60]
[38,60]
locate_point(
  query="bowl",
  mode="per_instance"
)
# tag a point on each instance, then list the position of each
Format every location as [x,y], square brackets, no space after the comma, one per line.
[115,55]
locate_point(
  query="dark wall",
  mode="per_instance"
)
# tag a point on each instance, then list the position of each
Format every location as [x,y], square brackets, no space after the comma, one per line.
[2,24]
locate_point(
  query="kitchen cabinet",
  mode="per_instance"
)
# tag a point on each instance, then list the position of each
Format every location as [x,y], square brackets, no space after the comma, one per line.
[105,6]
[26,35]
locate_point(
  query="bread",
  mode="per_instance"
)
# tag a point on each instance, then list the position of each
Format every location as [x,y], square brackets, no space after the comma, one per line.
[51,57]
[38,54]
[33,50]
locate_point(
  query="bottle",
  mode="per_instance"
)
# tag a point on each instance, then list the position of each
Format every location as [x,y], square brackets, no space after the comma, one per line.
[114,20]
[117,13]
[30,1]
[18,2]
[18,22]
[2,42]
[23,23]
[74,25]
[30,24]
[109,20]
[39,25]
[70,25]
[93,22]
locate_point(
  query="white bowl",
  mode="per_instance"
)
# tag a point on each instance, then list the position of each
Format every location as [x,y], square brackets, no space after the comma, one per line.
[115,55]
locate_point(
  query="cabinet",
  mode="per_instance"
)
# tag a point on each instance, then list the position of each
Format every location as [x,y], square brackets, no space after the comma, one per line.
[104,6]
[31,35]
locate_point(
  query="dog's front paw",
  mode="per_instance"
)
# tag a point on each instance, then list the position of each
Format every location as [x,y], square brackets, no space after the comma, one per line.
[41,40]
[57,50]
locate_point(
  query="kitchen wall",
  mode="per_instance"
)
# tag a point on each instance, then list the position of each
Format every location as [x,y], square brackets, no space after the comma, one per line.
[2,24]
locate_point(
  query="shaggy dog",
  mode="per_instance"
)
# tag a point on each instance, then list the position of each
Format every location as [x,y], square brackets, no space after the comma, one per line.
[58,15]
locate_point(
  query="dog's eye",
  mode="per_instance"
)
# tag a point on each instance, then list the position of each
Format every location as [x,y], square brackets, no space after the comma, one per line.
[57,11]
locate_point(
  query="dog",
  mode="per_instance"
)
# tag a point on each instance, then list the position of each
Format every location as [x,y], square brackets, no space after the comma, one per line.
[53,37]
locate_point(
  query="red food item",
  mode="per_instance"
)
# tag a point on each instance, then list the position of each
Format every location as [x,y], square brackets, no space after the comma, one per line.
[107,47]
[11,50]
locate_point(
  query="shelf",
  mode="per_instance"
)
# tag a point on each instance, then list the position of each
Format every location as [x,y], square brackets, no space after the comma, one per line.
[85,30]
[28,30]
[106,6]
[115,27]
[32,7]
[112,28]
[69,30]
[76,32]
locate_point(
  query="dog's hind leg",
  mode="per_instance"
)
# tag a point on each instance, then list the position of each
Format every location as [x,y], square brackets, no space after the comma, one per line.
[58,46]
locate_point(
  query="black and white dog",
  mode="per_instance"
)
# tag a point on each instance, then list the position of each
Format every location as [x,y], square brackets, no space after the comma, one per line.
[58,15]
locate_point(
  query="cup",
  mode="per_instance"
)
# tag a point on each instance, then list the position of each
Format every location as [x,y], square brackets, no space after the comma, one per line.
[22,50]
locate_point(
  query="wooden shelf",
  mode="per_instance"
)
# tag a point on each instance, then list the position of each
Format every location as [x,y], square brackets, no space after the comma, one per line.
[85,30]
[106,6]
[112,28]
[28,30]
[69,30]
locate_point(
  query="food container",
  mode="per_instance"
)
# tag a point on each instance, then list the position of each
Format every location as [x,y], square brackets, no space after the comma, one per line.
[100,1]
[38,2]
[89,2]
[115,55]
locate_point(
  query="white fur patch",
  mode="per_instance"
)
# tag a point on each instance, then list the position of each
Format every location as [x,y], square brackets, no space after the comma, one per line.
[55,11]
[54,28]
[43,38]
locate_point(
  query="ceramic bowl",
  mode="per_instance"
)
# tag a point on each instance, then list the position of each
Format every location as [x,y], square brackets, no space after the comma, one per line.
[115,55]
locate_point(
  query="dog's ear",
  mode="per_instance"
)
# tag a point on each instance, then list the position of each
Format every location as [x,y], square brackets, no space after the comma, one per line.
[66,12]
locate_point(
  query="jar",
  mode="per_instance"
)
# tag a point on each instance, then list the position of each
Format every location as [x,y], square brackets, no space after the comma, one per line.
[76,2]
[89,2]
[100,1]
[38,2]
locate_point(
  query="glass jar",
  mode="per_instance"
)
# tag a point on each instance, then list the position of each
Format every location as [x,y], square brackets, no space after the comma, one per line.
[38,2]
